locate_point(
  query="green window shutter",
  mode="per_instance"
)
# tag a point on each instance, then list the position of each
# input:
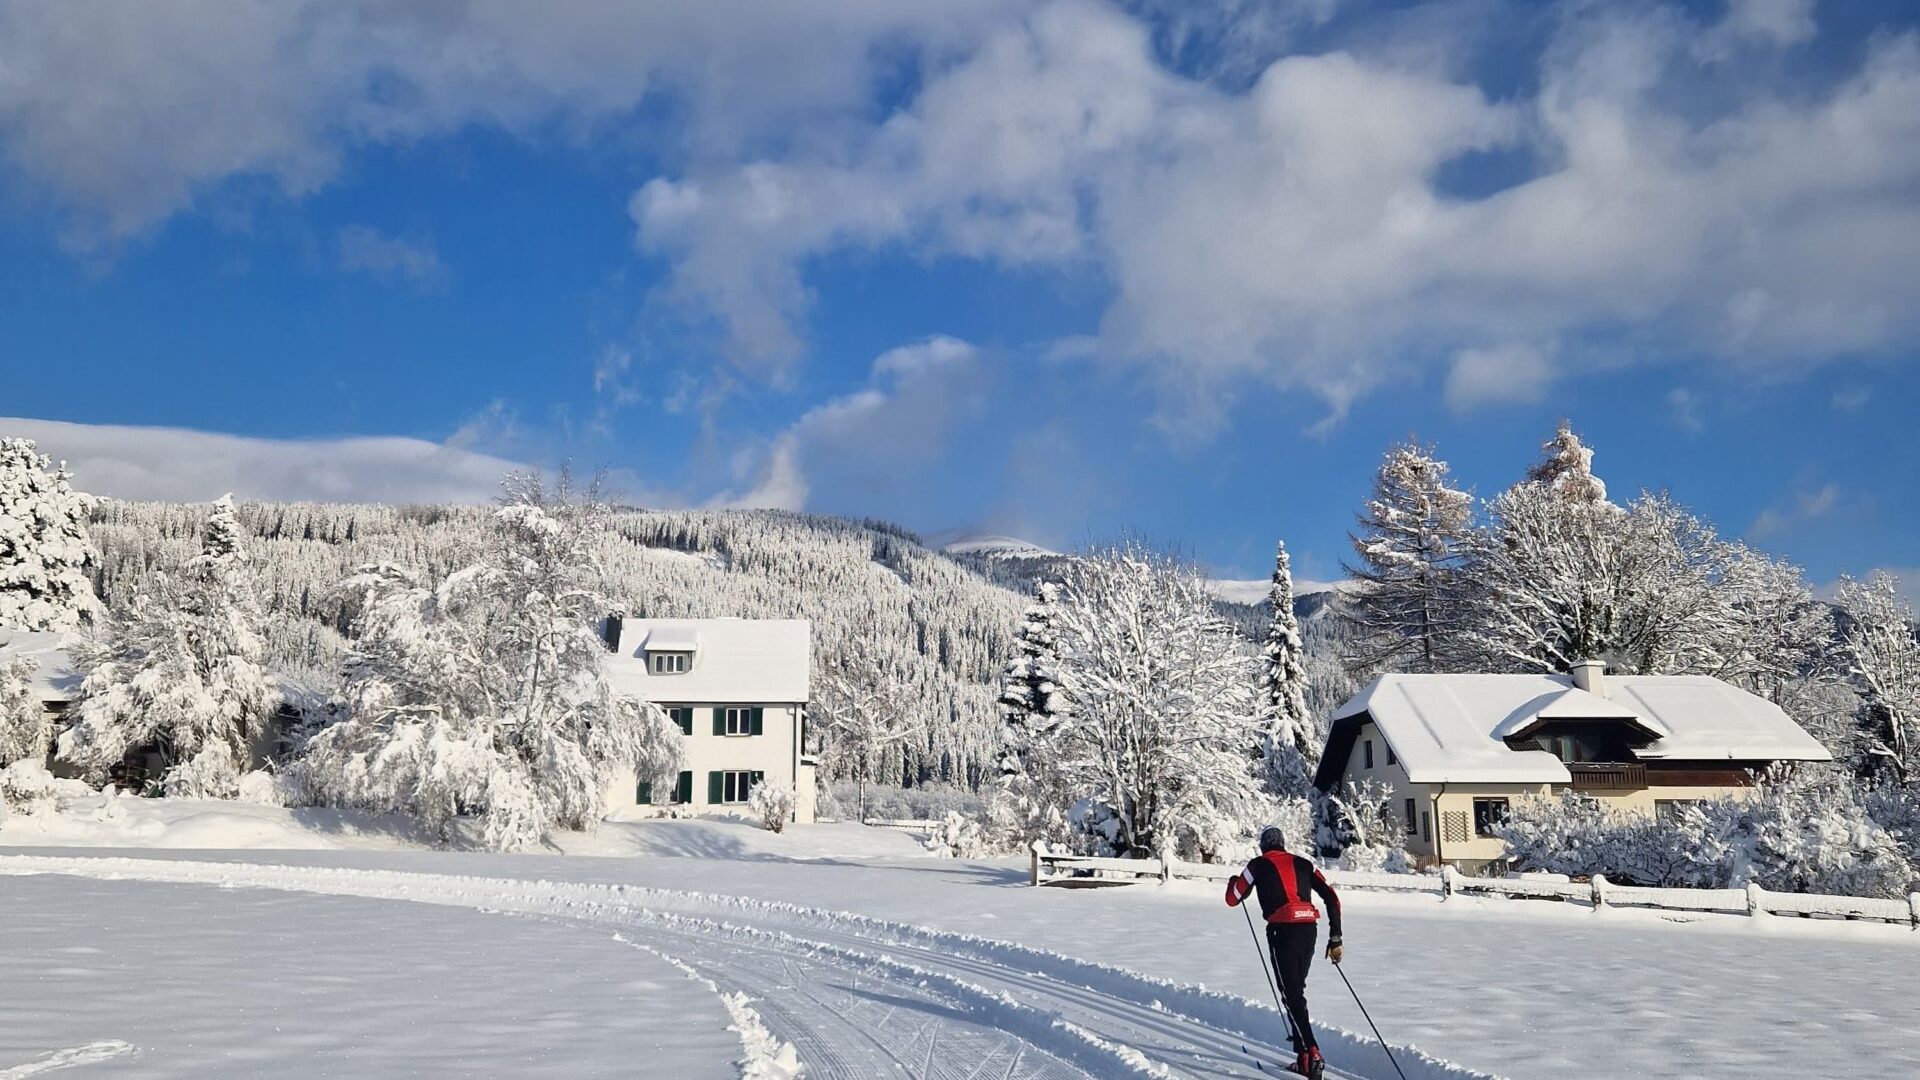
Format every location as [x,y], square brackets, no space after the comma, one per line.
[719,723]
[684,717]
[715,794]
[683,790]
[643,794]
[759,727]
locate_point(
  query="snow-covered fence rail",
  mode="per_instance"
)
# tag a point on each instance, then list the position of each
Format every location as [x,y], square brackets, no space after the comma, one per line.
[1599,893]
[903,824]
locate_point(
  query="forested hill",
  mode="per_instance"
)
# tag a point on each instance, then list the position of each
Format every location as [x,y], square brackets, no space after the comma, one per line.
[877,599]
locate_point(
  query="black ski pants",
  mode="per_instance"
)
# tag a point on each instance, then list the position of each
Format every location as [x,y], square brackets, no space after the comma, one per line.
[1291,945]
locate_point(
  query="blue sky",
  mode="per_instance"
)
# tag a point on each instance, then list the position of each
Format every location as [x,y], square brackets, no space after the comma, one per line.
[1059,269]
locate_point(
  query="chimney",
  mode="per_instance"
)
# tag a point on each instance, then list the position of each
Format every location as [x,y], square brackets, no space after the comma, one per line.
[1591,676]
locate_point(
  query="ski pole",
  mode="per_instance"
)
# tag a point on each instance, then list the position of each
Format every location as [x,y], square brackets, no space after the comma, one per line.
[1293,1030]
[1376,1028]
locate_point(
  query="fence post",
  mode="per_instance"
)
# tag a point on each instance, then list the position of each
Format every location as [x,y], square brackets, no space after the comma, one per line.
[1166,869]
[1913,905]
[1034,877]
[1447,874]
[1756,899]
[1599,891]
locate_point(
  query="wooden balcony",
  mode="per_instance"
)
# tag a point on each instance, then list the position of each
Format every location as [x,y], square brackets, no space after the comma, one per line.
[1607,777]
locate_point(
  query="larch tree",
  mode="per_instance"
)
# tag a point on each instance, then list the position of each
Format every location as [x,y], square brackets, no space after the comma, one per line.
[181,673]
[45,555]
[1291,741]
[1883,664]
[1567,468]
[1165,709]
[483,696]
[1409,552]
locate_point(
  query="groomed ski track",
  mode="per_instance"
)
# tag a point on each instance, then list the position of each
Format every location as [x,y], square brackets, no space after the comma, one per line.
[855,997]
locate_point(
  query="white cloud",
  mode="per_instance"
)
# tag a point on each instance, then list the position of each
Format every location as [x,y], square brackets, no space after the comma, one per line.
[1852,398]
[390,258]
[180,464]
[872,439]
[1804,507]
[1504,374]
[1684,405]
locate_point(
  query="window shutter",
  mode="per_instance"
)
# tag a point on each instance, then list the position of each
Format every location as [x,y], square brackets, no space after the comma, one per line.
[719,724]
[683,790]
[759,727]
[684,717]
[716,793]
[643,794]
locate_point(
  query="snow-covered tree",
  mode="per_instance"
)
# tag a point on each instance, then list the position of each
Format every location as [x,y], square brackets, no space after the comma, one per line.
[23,723]
[1782,644]
[484,695]
[866,717]
[1165,708]
[181,673]
[1409,550]
[1292,739]
[1567,468]
[1882,658]
[1361,826]
[1032,702]
[772,804]
[45,555]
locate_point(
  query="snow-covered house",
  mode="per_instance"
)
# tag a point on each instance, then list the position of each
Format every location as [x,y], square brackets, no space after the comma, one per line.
[1455,751]
[738,688]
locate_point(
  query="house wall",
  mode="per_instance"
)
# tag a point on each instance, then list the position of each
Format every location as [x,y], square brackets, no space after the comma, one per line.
[1393,777]
[774,752]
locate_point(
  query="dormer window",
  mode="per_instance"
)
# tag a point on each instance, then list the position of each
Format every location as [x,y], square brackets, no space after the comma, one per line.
[670,663]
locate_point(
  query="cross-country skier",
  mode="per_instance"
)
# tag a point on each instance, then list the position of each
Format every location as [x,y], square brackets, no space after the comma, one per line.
[1282,880]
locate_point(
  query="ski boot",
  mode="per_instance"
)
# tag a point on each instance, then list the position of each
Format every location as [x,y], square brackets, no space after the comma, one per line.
[1316,1065]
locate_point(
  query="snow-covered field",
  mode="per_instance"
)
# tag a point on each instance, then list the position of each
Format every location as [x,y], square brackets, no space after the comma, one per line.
[308,962]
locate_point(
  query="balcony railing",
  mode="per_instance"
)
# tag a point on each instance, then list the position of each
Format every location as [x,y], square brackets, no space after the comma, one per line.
[1607,776]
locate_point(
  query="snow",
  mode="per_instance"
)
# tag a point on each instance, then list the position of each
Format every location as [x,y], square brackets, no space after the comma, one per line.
[1252,592]
[757,661]
[1448,728]
[54,678]
[1068,982]
[998,547]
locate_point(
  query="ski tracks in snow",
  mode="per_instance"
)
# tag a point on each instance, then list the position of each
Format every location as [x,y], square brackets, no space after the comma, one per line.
[66,1059]
[830,995]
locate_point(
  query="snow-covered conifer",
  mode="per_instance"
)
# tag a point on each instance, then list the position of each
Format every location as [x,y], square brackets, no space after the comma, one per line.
[1032,701]
[1567,468]
[23,723]
[1292,739]
[1165,708]
[45,555]
[1409,549]
[181,673]
[484,695]
[1883,662]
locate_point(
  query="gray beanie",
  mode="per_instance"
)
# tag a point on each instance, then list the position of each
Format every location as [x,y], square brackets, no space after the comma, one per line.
[1272,839]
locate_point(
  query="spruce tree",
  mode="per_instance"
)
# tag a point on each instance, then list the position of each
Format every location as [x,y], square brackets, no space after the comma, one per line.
[1032,703]
[1412,541]
[1292,747]
[45,555]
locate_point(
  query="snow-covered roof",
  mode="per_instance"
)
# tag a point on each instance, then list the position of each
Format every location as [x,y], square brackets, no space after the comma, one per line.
[748,661]
[54,678]
[1450,728]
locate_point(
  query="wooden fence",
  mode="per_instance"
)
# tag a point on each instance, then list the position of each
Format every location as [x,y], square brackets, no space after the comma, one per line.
[1050,869]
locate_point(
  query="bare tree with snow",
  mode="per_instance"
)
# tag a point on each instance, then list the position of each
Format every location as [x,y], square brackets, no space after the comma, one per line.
[45,555]
[1166,712]
[1566,470]
[181,674]
[1409,550]
[484,695]
[1883,661]
[867,717]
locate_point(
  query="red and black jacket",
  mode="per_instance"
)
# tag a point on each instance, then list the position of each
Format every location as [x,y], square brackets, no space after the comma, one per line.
[1283,880]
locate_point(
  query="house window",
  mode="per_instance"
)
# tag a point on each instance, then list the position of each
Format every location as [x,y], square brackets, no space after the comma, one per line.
[671,663]
[1391,760]
[1409,818]
[1426,826]
[1367,747]
[731,787]
[1488,813]
[739,722]
[684,717]
[1668,811]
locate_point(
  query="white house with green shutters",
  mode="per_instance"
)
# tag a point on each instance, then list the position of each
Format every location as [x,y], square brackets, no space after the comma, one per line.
[738,689]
